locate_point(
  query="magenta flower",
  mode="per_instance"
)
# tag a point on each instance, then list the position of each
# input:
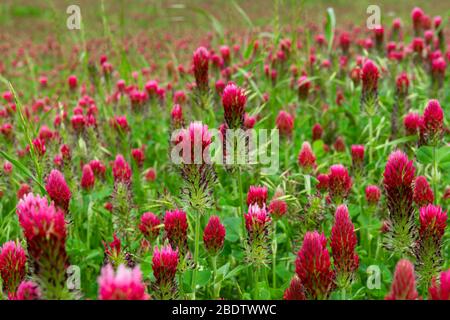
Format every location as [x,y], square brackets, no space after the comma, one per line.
[277,208]
[257,195]
[339,183]
[404,283]
[285,123]
[233,101]
[214,235]
[313,266]
[150,226]
[343,243]
[176,116]
[369,78]
[28,290]
[373,194]
[317,132]
[87,178]
[433,221]
[433,123]
[440,290]
[138,156]
[423,194]
[306,157]
[12,266]
[125,284]
[164,265]
[295,291]
[175,226]
[121,170]
[58,190]
[201,63]
[357,156]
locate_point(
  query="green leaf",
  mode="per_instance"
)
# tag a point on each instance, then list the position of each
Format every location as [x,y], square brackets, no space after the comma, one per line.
[202,277]
[425,155]
[329,28]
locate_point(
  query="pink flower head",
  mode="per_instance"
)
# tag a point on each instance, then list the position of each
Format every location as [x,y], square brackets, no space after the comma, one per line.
[369,77]
[39,147]
[121,170]
[175,226]
[195,142]
[411,123]
[28,290]
[201,63]
[285,123]
[87,178]
[357,155]
[98,168]
[72,81]
[373,194]
[295,291]
[256,221]
[344,42]
[433,222]
[339,144]
[402,83]
[343,242]
[176,116]
[138,156]
[398,184]
[317,132]
[441,290]
[340,182]
[277,208]
[150,175]
[24,189]
[324,181]
[113,249]
[58,190]
[433,121]
[438,67]
[125,284]
[306,157]
[233,101]
[313,266]
[416,16]
[7,167]
[214,235]
[120,123]
[150,226]
[423,194]
[257,195]
[404,283]
[249,121]
[303,86]
[78,122]
[12,265]
[165,264]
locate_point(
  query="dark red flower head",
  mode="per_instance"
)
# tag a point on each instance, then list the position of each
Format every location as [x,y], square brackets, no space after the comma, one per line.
[201,63]
[295,291]
[306,157]
[313,266]
[369,77]
[165,264]
[317,132]
[398,184]
[357,155]
[175,226]
[440,289]
[373,194]
[87,178]
[303,85]
[12,265]
[402,83]
[433,122]
[257,195]
[285,123]
[121,170]
[404,283]
[150,226]
[411,123]
[339,183]
[433,221]
[343,242]
[58,190]
[423,194]
[214,235]
[233,101]
[277,208]
[138,156]
[324,181]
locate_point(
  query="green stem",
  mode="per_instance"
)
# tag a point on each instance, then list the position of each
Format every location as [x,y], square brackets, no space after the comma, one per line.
[216,287]
[274,255]
[435,175]
[241,199]
[196,251]
[370,139]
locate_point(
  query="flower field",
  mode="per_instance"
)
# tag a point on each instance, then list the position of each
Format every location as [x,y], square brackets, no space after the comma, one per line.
[205,151]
